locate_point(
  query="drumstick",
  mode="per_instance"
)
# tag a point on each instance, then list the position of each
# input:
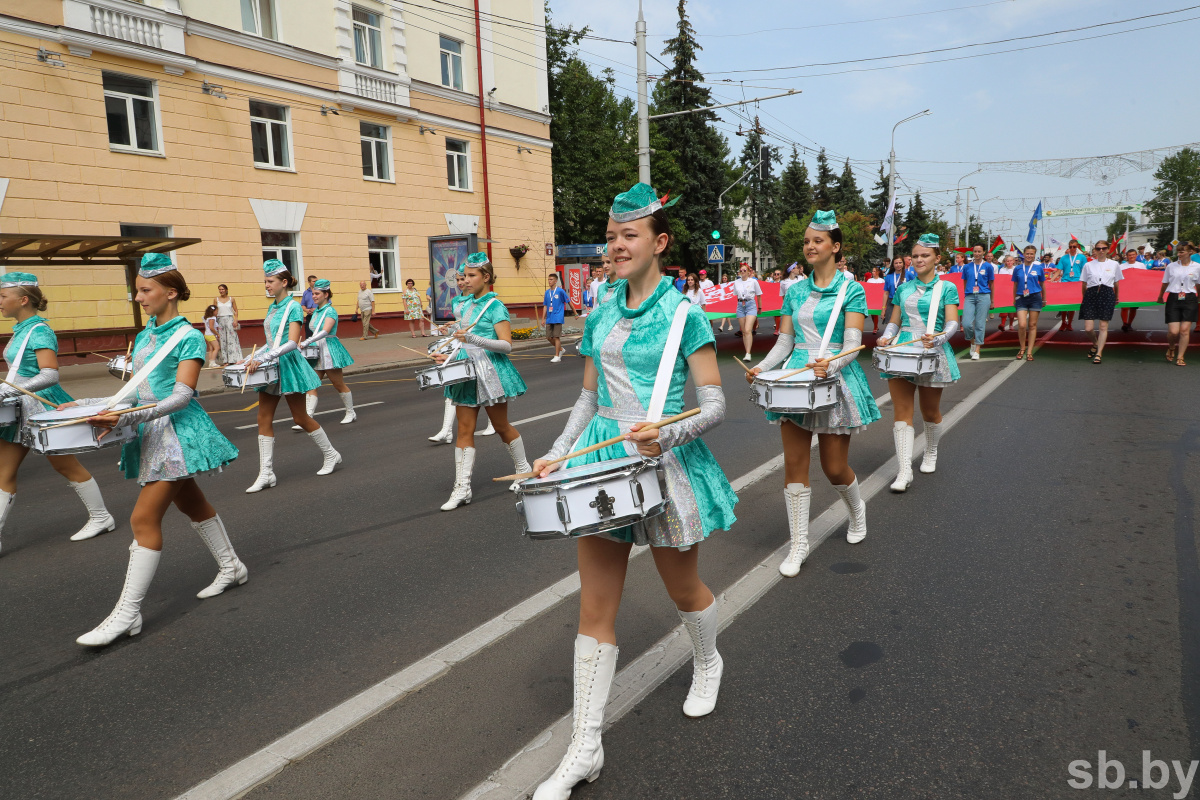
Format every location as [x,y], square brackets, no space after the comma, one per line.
[602,445]
[81,420]
[128,350]
[911,341]
[427,355]
[811,365]
[31,394]
[739,362]
[246,374]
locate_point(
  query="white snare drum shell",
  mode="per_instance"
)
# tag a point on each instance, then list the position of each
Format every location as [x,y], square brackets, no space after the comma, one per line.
[10,410]
[907,360]
[74,439]
[446,374]
[234,377]
[615,495]
[801,393]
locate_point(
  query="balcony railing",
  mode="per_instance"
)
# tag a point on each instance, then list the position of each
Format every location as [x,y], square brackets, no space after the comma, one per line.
[127,27]
[375,88]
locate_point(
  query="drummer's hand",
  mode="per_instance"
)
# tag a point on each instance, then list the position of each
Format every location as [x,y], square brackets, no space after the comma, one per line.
[543,467]
[882,342]
[645,441]
[440,358]
[250,367]
[105,421]
[927,339]
[751,374]
[820,368]
[460,335]
[71,404]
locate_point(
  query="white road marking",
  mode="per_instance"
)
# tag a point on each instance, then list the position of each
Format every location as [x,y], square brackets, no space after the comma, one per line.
[338,410]
[542,416]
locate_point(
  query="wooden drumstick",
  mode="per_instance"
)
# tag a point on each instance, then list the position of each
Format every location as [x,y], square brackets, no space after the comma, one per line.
[39,398]
[82,420]
[810,366]
[246,373]
[911,341]
[602,445]
[427,355]
[128,350]
[742,364]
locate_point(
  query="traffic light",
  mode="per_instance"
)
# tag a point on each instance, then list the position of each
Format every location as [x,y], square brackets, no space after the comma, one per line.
[716,234]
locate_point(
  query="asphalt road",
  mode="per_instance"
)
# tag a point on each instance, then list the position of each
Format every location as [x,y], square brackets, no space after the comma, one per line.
[1033,602]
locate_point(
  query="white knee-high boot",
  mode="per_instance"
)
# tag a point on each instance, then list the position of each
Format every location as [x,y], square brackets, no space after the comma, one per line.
[595,665]
[464,464]
[310,405]
[852,497]
[126,617]
[797,497]
[707,665]
[903,434]
[99,520]
[230,570]
[933,433]
[331,458]
[489,430]
[6,504]
[446,434]
[266,465]
[516,449]
[348,403]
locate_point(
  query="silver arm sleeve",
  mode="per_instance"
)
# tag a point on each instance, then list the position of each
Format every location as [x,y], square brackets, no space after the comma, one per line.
[495,345]
[890,331]
[43,380]
[712,413]
[949,330]
[179,397]
[581,415]
[784,344]
[851,338]
[316,337]
[275,352]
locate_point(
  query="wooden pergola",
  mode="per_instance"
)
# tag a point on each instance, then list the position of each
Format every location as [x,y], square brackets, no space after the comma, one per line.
[30,252]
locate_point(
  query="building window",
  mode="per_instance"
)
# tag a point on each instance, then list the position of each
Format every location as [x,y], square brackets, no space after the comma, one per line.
[284,246]
[451,63]
[148,232]
[269,132]
[375,151]
[368,38]
[381,252]
[458,165]
[258,17]
[132,110]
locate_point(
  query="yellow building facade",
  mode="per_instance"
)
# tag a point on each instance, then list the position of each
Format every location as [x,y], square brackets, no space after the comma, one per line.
[343,137]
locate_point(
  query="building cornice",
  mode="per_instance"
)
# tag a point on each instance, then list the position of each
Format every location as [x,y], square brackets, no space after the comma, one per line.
[269,46]
[466,98]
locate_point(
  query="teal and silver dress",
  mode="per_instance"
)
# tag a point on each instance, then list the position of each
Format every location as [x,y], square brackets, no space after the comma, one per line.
[605,292]
[913,298]
[295,375]
[626,345]
[496,379]
[333,354]
[809,307]
[42,338]
[179,445]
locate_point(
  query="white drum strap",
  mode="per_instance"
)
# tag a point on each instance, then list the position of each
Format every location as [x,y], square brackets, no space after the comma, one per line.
[482,311]
[149,367]
[666,367]
[285,310]
[16,364]
[935,304]
[833,318]
[317,323]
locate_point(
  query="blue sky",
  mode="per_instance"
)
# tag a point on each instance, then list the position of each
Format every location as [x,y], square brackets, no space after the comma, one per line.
[1117,94]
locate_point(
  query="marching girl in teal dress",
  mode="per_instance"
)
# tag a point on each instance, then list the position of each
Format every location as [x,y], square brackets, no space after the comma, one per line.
[623,343]
[487,344]
[910,316]
[449,431]
[807,311]
[284,327]
[177,441]
[32,356]
[332,356]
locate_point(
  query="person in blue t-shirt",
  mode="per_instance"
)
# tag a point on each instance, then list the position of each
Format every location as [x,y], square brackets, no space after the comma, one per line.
[554,311]
[1070,270]
[891,282]
[978,274]
[1028,279]
[959,263]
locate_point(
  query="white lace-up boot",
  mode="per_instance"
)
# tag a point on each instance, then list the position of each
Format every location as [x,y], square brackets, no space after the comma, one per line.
[516,449]
[126,617]
[464,464]
[266,465]
[797,497]
[310,405]
[331,457]
[595,665]
[852,497]
[489,430]
[6,504]
[903,434]
[99,520]
[446,434]
[348,402]
[231,571]
[707,664]
[933,433]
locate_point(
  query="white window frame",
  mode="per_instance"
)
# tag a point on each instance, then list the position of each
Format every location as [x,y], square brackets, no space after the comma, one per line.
[460,172]
[275,251]
[375,143]
[391,251]
[167,233]
[290,165]
[372,45]
[256,14]
[129,98]
[448,60]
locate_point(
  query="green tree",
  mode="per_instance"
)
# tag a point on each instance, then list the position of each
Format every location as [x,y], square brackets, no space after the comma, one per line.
[857,231]
[846,196]
[1179,172]
[1116,228]
[791,236]
[823,190]
[916,221]
[795,193]
[763,200]
[877,209]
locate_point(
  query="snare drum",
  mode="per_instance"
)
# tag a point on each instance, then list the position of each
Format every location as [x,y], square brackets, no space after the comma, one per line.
[119,367]
[447,346]
[10,410]
[799,394]
[79,438]
[594,498]
[447,373]
[311,352]
[234,376]
[911,360]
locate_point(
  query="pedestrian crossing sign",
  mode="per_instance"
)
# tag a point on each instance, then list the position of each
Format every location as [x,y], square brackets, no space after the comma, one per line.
[716,253]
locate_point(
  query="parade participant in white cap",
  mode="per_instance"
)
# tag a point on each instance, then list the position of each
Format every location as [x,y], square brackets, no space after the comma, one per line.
[332,356]
[449,429]
[32,356]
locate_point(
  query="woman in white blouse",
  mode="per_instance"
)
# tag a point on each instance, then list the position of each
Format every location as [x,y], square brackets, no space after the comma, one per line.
[1179,287]
[692,290]
[748,291]
[1100,278]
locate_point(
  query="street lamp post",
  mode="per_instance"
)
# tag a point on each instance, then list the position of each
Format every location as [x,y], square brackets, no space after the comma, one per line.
[1175,234]
[957,192]
[891,234]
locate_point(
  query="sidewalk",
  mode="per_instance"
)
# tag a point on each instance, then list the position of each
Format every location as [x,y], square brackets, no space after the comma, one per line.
[91,378]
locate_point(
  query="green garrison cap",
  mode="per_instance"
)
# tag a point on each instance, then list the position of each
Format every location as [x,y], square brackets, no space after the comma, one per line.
[155,264]
[640,201]
[930,240]
[824,221]
[11,279]
[273,266]
[322,284]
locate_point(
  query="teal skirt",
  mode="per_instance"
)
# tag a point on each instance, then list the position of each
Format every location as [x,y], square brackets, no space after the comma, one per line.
[511,383]
[204,448]
[55,394]
[334,355]
[702,499]
[295,376]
